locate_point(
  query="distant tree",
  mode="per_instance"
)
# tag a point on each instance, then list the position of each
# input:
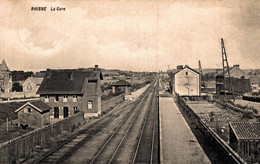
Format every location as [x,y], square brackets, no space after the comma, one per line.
[17,87]
[209,76]
[20,75]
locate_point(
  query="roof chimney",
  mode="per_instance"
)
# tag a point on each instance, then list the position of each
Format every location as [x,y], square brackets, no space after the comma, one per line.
[96,67]
[48,73]
[179,67]
[71,76]
[237,65]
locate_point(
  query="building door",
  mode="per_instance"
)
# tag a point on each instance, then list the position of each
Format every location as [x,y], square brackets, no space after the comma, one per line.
[65,112]
[56,112]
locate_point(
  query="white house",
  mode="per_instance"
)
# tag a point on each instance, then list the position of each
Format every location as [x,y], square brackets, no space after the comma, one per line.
[31,85]
[187,82]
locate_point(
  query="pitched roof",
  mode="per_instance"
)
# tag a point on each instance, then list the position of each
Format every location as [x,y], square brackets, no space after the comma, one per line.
[3,66]
[246,130]
[235,72]
[67,81]
[121,83]
[38,105]
[255,80]
[186,66]
[38,80]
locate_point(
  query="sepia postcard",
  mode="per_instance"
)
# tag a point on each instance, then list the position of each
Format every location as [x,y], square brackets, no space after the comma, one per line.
[129,81]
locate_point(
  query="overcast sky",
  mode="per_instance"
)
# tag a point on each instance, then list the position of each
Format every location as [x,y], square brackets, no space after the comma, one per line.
[128,35]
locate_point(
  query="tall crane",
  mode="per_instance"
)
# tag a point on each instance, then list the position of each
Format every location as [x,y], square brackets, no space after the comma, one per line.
[226,69]
[202,77]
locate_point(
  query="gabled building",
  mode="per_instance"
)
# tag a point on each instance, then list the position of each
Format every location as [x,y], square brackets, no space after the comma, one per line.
[240,81]
[70,91]
[31,86]
[186,82]
[33,114]
[255,84]
[121,86]
[244,139]
[5,78]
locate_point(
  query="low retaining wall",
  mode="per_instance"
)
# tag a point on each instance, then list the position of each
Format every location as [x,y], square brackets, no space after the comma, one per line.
[227,152]
[111,103]
[24,145]
[252,98]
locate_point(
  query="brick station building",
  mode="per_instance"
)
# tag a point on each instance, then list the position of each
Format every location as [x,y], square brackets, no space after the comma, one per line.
[69,91]
[33,114]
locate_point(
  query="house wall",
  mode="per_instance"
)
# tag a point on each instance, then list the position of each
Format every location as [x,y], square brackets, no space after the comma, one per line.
[240,86]
[255,88]
[92,94]
[121,89]
[32,119]
[248,149]
[6,83]
[30,88]
[187,85]
[61,104]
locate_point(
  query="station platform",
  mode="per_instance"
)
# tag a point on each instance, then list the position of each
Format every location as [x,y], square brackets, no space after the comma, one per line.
[178,143]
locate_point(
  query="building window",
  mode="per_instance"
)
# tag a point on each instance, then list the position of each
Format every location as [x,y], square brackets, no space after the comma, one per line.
[56,112]
[65,98]
[187,73]
[75,98]
[46,98]
[75,109]
[29,87]
[90,104]
[56,98]
[27,110]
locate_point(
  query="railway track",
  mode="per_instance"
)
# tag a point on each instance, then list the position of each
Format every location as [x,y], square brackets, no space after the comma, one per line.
[65,149]
[140,126]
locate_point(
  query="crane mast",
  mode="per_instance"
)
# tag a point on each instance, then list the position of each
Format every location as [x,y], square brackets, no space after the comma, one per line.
[201,73]
[226,69]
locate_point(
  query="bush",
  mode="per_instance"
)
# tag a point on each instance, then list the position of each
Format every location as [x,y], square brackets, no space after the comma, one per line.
[248,115]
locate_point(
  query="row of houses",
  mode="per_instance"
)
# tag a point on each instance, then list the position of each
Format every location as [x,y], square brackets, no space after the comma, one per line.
[65,92]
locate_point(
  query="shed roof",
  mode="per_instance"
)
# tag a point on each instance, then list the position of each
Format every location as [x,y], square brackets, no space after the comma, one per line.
[121,83]
[38,105]
[67,81]
[235,72]
[246,130]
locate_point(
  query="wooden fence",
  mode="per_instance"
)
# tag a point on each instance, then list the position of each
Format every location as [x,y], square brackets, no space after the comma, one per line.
[24,145]
[219,144]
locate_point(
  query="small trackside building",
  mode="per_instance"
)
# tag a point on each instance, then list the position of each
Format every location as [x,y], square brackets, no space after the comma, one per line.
[187,82]
[245,139]
[121,86]
[33,114]
[69,91]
